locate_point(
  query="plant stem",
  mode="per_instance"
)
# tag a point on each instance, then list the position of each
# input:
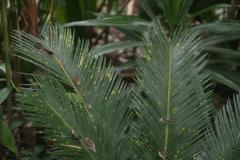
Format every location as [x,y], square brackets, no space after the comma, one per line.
[16,62]
[168,101]
[7,57]
[32,16]
[52,12]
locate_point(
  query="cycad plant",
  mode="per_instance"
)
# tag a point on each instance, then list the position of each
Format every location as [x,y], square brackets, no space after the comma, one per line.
[81,103]
[86,111]
[174,112]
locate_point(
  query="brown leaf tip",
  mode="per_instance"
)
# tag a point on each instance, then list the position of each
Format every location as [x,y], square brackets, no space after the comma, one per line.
[38,45]
[163,153]
[164,120]
[90,144]
[77,81]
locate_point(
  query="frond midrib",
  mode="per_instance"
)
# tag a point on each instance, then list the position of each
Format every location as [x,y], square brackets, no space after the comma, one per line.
[79,95]
[168,98]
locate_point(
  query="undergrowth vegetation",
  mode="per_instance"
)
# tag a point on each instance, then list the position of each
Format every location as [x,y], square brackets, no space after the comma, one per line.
[86,111]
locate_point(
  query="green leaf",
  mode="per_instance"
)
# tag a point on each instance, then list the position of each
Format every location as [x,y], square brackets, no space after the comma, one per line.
[125,22]
[1,124]
[176,11]
[8,140]
[3,67]
[77,99]
[172,104]
[224,52]
[217,39]
[229,28]
[146,7]
[126,66]
[4,94]
[209,8]
[172,12]
[6,137]
[223,139]
[112,47]
[229,79]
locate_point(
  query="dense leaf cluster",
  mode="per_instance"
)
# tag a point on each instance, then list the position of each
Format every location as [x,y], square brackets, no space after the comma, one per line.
[88,112]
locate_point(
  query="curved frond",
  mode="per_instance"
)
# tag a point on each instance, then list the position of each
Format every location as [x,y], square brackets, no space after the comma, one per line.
[173,106]
[81,104]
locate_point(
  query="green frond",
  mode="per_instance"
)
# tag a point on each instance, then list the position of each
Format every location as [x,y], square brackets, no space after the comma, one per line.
[173,105]
[80,102]
[51,107]
[75,66]
[223,139]
[176,11]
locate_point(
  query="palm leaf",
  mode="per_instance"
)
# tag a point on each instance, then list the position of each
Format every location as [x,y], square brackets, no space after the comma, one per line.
[81,105]
[174,13]
[221,34]
[222,140]
[131,23]
[49,107]
[173,106]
